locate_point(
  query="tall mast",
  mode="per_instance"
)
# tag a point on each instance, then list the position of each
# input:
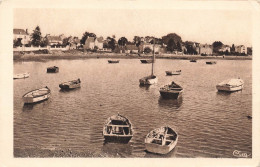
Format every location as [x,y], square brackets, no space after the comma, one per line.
[153,54]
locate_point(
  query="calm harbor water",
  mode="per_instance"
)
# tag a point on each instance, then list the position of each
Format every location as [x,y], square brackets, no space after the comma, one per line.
[209,123]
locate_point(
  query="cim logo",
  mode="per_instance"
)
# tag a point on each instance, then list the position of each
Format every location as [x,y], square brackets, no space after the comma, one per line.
[240,154]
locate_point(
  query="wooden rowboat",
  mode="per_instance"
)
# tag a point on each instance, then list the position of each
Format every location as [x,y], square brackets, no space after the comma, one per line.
[53,69]
[113,61]
[230,85]
[161,140]
[146,61]
[211,62]
[21,76]
[70,84]
[171,91]
[117,128]
[37,95]
[178,72]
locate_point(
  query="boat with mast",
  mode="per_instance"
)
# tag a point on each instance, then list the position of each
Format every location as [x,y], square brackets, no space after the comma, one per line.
[150,79]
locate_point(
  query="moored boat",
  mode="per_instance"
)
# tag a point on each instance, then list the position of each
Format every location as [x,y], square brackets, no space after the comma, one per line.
[150,79]
[117,128]
[113,61]
[211,62]
[37,95]
[147,61]
[70,84]
[53,69]
[230,85]
[178,72]
[21,76]
[171,91]
[193,60]
[161,140]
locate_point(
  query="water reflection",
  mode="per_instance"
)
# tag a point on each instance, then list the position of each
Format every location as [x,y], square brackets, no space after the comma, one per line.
[170,103]
[117,149]
[69,90]
[168,155]
[146,87]
[27,107]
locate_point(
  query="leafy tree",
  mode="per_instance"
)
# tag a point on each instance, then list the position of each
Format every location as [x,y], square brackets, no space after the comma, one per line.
[36,36]
[147,50]
[176,38]
[85,37]
[179,46]
[216,46]
[111,43]
[171,46]
[122,41]
[137,40]
[17,42]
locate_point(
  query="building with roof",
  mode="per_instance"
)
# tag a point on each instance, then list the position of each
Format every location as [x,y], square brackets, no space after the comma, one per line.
[131,48]
[241,49]
[224,48]
[92,42]
[21,34]
[54,40]
[205,49]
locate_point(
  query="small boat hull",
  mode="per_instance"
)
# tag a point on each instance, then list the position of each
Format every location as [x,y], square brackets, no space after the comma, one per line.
[146,61]
[21,76]
[170,94]
[31,97]
[117,129]
[231,85]
[154,148]
[67,86]
[229,88]
[113,61]
[148,80]
[160,141]
[118,138]
[173,72]
[194,61]
[53,69]
[211,62]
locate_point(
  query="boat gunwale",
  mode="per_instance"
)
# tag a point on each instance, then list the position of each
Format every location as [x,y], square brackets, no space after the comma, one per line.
[49,91]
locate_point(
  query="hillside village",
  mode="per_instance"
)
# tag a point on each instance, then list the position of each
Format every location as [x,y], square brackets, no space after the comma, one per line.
[171,43]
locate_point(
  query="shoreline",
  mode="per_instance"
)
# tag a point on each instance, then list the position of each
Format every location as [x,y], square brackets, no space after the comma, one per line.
[89,55]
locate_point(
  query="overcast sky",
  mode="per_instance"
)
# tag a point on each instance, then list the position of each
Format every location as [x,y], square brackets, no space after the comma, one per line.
[203,26]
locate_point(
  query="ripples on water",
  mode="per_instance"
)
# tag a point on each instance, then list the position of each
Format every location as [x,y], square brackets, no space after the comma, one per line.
[209,123]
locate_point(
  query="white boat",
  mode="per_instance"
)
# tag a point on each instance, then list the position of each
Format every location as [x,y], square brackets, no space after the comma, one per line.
[70,84]
[117,128]
[161,140]
[21,76]
[178,72]
[150,79]
[37,95]
[230,85]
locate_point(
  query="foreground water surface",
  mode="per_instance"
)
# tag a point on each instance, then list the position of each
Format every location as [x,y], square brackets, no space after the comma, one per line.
[209,123]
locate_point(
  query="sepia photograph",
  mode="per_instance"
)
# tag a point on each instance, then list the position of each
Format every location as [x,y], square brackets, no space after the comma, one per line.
[104,81]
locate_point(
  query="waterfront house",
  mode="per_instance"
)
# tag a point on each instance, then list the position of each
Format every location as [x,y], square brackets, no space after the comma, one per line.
[205,49]
[192,47]
[92,42]
[241,49]
[142,46]
[99,43]
[224,48]
[54,40]
[21,34]
[131,48]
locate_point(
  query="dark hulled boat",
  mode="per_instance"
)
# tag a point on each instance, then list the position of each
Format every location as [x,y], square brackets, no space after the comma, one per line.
[171,91]
[211,62]
[117,128]
[113,61]
[146,61]
[70,84]
[53,69]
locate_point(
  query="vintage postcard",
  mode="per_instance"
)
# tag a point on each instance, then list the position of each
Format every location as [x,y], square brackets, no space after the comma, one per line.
[128,82]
